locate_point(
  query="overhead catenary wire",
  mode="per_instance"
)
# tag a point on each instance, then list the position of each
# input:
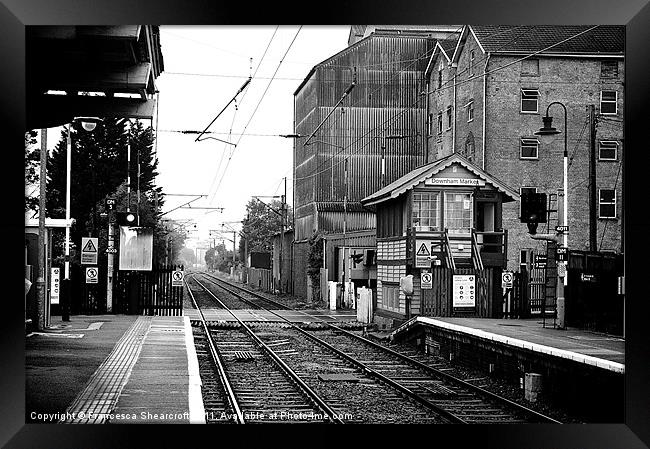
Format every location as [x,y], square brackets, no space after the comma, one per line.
[255,110]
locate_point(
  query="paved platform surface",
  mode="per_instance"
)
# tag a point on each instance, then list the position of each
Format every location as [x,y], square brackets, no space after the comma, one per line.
[295,316]
[131,370]
[601,350]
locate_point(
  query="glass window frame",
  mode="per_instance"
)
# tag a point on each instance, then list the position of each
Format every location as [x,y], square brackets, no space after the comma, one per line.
[447,216]
[615,102]
[602,203]
[469,107]
[600,149]
[527,142]
[531,93]
[416,212]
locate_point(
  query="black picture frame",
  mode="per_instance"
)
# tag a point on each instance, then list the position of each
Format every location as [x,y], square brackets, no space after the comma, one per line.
[634,14]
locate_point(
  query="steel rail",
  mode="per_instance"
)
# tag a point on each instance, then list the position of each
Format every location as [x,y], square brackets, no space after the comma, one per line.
[476,389]
[331,414]
[223,377]
[373,373]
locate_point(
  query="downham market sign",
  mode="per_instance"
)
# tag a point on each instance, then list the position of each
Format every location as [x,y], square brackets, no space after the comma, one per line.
[454,182]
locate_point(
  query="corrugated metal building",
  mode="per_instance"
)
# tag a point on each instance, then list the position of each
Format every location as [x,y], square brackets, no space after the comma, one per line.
[359,111]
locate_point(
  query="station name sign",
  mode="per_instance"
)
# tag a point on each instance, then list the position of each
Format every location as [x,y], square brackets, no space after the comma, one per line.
[454,182]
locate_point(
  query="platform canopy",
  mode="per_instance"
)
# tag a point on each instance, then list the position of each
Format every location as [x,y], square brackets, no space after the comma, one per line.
[428,171]
[90,71]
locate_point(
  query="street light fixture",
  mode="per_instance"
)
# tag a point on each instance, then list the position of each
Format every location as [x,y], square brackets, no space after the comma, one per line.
[545,132]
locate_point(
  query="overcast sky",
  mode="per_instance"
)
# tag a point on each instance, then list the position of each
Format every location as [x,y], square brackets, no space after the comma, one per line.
[204,68]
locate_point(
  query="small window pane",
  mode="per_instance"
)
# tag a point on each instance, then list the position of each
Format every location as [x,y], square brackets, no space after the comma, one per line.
[608,102]
[529,148]
[607,203]
[529,100]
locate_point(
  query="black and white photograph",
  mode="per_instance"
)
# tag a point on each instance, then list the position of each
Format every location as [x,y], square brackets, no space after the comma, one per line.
[329,224]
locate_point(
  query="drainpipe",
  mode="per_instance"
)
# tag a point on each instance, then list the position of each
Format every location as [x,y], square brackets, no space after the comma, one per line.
[454,67]
[487,60]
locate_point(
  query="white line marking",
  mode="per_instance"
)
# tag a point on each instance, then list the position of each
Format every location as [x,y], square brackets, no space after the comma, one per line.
[195,399]
[47,334]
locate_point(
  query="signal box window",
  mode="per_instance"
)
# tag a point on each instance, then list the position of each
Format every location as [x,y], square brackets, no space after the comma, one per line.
[529,99]
[607,203]
[425,211]
[458,213]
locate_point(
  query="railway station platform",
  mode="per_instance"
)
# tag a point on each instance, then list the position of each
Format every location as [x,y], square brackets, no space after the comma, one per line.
[295,316]
[582,370]
[113,369]
[598,350]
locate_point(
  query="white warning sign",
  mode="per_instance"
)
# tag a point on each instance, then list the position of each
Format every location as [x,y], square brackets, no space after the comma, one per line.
[89,250]
[426,280]
[91,275]
[422,249]
[177,278]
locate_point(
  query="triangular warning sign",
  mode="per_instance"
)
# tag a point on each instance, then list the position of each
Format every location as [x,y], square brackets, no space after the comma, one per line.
[89,248]
[423,251]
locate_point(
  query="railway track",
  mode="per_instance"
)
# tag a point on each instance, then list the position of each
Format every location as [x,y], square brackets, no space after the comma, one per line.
[410,376]
[254,384]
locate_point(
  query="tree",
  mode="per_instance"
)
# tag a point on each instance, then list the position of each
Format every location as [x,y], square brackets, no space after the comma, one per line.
[32,167]
[99,171]
[262,222]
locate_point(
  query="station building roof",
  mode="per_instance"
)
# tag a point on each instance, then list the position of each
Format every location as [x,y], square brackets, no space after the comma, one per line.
[412,179]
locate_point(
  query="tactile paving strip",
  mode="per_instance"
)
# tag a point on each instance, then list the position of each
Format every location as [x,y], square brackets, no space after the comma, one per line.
[98,398]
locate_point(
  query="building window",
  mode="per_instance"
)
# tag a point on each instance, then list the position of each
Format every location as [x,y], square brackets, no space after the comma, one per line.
[472,57]
[469,147]
[608,103]
[439,122]
[448,117]
[607,150]
[529,149]
[430,125]
[529,98]
[426,211]
[458,212]
[609,69]
[470,110]
[525,191]
[606,203]
[439,78]
[530,67]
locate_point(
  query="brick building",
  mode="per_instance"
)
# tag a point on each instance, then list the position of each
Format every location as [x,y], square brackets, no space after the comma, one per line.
[486,98]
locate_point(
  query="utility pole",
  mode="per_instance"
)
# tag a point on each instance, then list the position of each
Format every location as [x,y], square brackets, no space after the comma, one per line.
[592,180]
[282,218]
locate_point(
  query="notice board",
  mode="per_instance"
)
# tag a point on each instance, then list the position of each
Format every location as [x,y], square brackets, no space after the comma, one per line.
[136,248]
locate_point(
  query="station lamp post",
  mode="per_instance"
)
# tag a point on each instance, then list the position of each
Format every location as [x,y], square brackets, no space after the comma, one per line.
[88,124]
[546,133]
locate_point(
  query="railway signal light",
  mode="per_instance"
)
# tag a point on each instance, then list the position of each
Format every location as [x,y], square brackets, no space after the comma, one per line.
[533,210]
[126,219]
